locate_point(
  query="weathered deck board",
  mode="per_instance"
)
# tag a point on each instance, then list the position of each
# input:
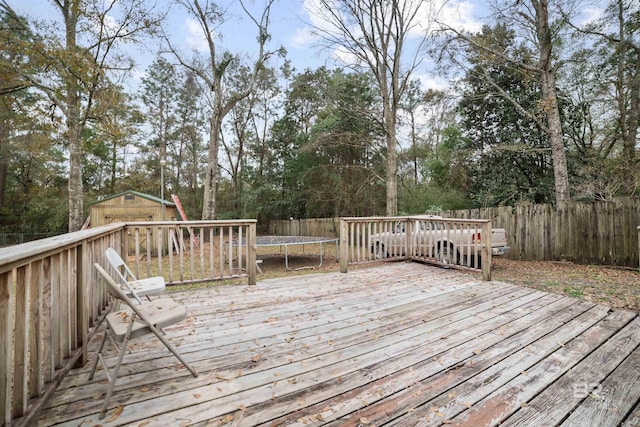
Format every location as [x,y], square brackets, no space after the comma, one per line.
[401,344]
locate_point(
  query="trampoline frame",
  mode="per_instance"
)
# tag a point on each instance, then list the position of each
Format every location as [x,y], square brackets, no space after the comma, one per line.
[286,241]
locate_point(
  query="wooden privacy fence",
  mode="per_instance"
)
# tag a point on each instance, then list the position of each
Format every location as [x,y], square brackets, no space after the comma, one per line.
[583,232]
[325,227]
[51,300]
[442,241]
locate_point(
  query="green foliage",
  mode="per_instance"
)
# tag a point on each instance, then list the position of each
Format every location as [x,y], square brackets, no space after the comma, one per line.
[325,158]
[430,199]
[34,187]
[510,153]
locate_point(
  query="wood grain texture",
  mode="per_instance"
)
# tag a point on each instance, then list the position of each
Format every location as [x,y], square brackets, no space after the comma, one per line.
[400,344]
[7,307]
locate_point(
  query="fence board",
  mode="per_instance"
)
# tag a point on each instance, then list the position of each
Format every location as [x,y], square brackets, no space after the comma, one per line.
[583,232]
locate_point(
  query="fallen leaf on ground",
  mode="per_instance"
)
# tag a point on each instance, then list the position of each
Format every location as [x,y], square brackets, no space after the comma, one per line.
[116,413]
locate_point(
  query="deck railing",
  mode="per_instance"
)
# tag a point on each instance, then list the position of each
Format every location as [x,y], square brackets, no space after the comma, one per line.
[191,251]
[51,301]
[446,242]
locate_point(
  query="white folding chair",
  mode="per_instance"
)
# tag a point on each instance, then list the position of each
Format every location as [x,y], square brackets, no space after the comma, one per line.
[136,288]
[135,321]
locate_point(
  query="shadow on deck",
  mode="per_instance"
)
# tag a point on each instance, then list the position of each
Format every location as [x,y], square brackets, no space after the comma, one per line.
[401,344]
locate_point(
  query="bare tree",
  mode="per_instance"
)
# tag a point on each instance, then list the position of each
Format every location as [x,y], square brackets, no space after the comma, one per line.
[212,70]
[70,67]
[532,16]
[373,36]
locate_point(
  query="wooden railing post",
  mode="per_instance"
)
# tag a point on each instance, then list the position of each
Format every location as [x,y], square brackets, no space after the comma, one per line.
[486,251]
[344,245]
[251,253]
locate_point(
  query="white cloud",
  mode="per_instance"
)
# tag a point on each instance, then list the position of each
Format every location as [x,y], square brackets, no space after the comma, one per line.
[590,14]
[459,15]
[429,81]
[302,38]
[194,37]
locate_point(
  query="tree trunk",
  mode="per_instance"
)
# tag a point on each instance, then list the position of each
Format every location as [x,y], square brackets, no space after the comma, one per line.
[74,128]
[414,148]
[560,175]
[4,146]
[630,139]
[114,168]
[550,104]
[628,102]
[211,178]
[392,160]
[75,187]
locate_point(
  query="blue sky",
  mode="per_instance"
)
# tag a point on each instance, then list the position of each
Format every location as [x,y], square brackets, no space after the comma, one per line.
[288,28]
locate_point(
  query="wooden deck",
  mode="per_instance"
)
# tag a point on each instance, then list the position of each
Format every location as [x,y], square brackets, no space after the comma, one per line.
[401,345]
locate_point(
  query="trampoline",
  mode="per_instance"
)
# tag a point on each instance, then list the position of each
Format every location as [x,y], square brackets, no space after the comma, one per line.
[286,241]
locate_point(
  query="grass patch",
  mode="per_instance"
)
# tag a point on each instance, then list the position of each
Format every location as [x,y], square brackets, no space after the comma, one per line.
[573,292]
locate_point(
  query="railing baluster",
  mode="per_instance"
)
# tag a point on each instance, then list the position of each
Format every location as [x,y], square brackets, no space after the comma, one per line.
[36,383]
[46,275]
[149,241]
[7,310]
[136,233]
[212,247]
[191,255]
[72,284]
[221,251]
[181,252]
[64,307]
[201,239]
[172,246]
[241,244]
[160,245]
[20,348]
[56,311]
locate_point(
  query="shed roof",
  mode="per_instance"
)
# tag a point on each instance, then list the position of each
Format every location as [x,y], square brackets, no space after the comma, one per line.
[136,193]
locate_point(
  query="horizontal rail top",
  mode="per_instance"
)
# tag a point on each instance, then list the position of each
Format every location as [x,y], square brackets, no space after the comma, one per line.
[215,223]
[15,256]
[414,218]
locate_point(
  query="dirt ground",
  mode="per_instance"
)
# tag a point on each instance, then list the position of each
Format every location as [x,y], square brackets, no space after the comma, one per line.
[612,286]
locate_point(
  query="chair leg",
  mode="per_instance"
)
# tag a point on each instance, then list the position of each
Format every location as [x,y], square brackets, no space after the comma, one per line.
[95,364]
[114,374]
[170,347]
